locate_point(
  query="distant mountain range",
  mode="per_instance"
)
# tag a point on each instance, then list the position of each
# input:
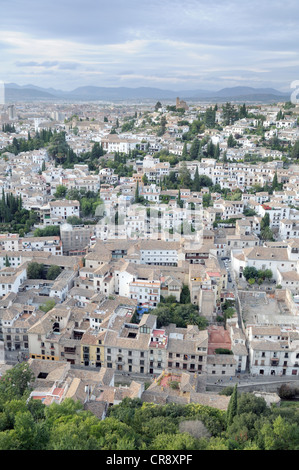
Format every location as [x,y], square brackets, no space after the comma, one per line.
[28,93]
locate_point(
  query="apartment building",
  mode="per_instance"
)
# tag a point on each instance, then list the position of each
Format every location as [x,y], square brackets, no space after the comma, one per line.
[15,322]
[48,244]
[273,351]
[132,348]
[187,349]
[11,279]
[261,258]
[56,336]
[277,212]
[57,212]
[9,241]
[159,253]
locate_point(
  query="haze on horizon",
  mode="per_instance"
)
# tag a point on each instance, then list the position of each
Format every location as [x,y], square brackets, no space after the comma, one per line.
[175,45]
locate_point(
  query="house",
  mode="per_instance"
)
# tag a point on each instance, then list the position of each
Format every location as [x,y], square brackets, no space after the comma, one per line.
[273,350]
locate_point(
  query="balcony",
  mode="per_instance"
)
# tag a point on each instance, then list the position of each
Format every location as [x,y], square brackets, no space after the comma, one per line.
[274,362]
[70,350]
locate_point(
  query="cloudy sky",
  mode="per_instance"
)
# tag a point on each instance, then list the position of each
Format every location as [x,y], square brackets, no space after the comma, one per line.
[169,44]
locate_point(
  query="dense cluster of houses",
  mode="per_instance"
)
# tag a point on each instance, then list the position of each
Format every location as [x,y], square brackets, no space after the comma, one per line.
[113,275]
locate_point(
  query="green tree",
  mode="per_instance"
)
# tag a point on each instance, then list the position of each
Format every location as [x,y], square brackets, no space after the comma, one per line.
[185,151]
[184,176]
[194,149]
[232,406]
[185,297]
[231,141]
[16,383]
[206,200]
[230,114]
[137,195]
[267,234]
[196,181]
[210,117]
[166,441]
[53,272]
[228,313]
[250,272]
[61,191]
[295,151]
[243,111]
[280,435]
[35,270]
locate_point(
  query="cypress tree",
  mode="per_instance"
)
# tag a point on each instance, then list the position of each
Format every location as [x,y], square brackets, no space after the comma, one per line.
[184,153]
[232,406]
[196,182]
[137,192]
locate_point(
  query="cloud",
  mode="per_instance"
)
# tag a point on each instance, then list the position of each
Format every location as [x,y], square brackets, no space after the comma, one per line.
[37,64]
[137,43]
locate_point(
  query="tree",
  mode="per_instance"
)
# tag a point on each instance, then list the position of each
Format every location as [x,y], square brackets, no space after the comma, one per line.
[29,435]
[243,111]
[137,196]
[184,176]
[196,181]
[185,151]
[295,150]
[144,179]
[250,272]
[267,234]
[232,406]
[265,222]
[96,151]
[228,313]
[185,295]
[280,435]
[194,149]
[16,382]
[180,314]
[166,441]
[231,141]
[268,274]
[53,272]
[275,184]
[249,403]
[74,220]
[35,270]
[210,117]
[61,191]
[162,128]
[206,200]
[158,106]
[230,114]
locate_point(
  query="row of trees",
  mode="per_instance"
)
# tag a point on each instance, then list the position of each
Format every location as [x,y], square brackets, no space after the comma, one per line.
[253,275]
[42,139]
[8,128]
[38,271]
[13,217]
[181,313]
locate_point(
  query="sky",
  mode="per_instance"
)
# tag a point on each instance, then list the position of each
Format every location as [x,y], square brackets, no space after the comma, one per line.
[167,44]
